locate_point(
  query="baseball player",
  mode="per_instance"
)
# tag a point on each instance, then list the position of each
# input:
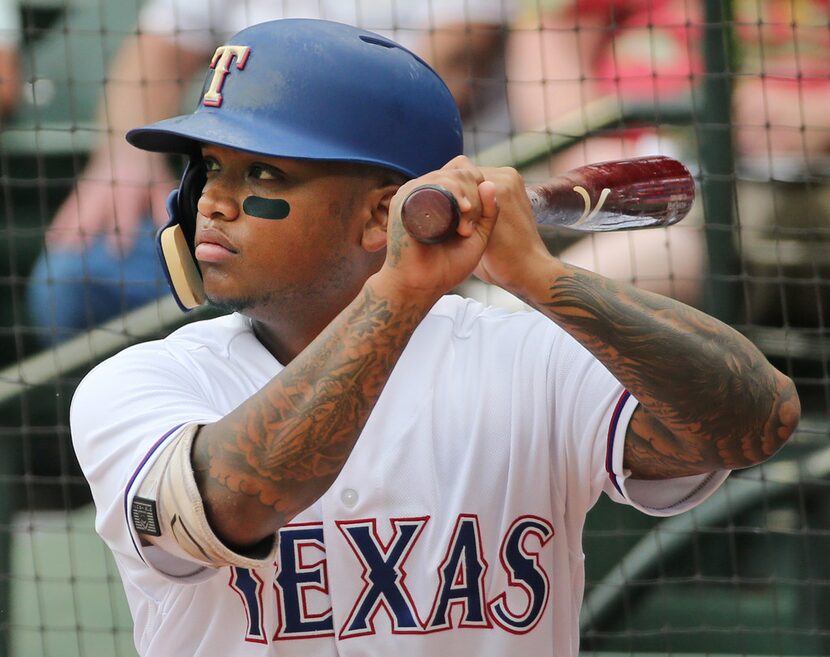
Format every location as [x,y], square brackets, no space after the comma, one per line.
[351,462]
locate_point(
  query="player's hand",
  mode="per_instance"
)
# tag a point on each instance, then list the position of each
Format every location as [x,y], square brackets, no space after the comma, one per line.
[515,247]
[112,202]
[437,268]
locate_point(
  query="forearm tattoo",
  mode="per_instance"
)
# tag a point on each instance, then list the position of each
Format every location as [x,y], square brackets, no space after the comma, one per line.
[711,398]
[289,441]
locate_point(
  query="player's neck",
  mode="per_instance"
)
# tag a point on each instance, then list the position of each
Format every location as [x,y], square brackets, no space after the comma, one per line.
[287,329]
[284,340]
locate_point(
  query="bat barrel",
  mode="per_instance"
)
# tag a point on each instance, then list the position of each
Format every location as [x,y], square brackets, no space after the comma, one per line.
[644,192]
[641,192]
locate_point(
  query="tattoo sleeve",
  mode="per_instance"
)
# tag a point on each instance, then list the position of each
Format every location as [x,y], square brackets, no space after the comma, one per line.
[709,399]
[282,449]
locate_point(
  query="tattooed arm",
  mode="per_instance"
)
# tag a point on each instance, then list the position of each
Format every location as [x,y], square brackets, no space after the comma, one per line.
[708,398]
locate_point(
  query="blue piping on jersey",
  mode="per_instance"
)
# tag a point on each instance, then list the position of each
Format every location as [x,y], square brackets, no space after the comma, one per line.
[612,433]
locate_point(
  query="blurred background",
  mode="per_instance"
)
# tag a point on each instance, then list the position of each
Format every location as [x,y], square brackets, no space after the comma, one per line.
[739,91]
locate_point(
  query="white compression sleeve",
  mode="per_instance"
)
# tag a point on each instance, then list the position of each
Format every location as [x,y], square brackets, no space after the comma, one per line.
[167,511]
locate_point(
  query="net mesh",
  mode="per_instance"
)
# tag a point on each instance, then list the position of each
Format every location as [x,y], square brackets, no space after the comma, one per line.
[739,91]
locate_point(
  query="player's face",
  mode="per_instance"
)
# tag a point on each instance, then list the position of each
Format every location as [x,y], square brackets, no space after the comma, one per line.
[283,236]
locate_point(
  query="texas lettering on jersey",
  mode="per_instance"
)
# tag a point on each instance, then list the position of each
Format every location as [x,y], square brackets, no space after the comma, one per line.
[301,584]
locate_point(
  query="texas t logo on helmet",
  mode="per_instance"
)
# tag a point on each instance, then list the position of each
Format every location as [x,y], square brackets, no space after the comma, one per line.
[221,65]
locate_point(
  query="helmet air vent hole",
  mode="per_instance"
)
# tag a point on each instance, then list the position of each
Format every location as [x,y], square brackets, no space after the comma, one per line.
[377,41]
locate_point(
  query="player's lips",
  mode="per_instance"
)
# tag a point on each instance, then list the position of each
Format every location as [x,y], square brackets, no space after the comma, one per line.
[213,246]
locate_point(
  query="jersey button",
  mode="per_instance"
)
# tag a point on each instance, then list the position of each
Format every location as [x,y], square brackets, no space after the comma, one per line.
[349,497]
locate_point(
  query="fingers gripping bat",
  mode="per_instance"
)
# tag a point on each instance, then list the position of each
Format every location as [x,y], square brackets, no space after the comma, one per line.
[644,192]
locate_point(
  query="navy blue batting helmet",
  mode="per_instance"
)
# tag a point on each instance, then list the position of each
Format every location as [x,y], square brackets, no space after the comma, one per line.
[306,89]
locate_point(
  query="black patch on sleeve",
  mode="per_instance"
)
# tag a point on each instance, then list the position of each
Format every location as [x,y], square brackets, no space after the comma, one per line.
[145,516]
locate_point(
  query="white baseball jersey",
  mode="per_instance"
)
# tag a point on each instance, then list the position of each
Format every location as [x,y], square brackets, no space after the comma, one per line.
[454,528]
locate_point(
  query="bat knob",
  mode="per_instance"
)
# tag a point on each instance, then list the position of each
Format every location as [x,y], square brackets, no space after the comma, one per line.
[430,214]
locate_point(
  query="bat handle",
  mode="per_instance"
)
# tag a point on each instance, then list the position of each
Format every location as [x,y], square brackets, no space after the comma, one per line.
[430,214]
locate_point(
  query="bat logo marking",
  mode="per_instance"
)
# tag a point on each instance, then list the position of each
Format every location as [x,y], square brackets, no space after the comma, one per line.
[588,213]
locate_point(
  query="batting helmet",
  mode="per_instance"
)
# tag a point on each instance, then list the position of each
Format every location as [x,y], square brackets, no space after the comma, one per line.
[305,89]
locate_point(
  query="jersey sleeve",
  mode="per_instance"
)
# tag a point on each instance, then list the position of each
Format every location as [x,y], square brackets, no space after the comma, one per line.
[658,497]
[591,413]
[123,414]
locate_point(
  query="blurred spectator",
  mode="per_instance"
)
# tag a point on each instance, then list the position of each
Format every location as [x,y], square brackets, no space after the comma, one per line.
[782,136]
[562,55]
[572,52]
[100,257]
[566,53]
[9,60]
[783,93]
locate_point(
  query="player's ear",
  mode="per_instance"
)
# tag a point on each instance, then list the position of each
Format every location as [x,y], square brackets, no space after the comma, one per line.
[374,229]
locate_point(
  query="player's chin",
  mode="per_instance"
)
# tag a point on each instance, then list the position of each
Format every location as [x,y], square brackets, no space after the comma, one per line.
[230,304]
[222,291]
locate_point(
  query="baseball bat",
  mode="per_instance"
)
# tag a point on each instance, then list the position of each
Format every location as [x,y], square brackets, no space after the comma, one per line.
[642,192]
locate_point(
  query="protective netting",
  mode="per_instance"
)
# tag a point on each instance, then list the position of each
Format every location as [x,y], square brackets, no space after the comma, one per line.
[739,91]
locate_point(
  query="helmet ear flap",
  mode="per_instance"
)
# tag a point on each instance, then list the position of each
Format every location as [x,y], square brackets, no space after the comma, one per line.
[190,190]
[175,240]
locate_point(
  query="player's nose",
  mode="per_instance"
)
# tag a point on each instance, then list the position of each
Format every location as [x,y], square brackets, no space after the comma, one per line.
[218,201]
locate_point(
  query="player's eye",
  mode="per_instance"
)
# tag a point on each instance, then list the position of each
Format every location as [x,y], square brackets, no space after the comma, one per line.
[210,164]
[264,172]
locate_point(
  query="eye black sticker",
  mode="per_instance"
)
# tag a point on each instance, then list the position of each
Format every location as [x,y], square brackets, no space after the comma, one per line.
[266,208]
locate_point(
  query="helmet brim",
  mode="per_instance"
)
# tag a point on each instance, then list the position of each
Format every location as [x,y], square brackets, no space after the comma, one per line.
[187,133]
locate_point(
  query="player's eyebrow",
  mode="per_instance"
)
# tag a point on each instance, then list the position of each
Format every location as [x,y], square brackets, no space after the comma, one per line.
[215,152]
